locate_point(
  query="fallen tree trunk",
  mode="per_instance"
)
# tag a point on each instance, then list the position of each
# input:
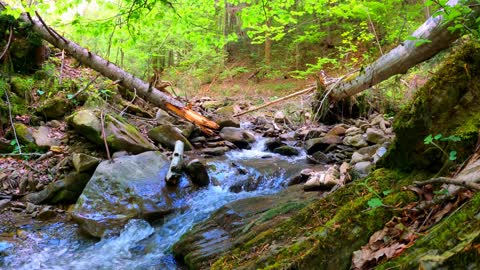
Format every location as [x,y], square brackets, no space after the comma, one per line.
[114,72]
[401,58]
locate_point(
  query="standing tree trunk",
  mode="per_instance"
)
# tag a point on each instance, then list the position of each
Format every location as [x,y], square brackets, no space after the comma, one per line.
[114,72]
[401,58]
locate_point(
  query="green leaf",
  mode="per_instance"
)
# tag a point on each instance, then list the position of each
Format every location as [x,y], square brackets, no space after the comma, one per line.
[13,142]
[386,192]
[70,96]
[375,202]
[438,136]
[441,192]
[453,155]
[428,139]
[40,92]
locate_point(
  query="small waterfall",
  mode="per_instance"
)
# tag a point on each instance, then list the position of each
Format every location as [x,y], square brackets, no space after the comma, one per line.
[142,245]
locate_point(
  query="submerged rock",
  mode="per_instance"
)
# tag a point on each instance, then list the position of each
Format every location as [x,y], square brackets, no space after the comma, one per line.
[287,150]
[130,187]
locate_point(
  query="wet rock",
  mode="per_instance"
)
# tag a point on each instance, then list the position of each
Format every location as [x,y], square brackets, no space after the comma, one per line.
[322,180]
[376,136]
[320,144]
[229,122]
[167,135]
[286,150]
[289,136]
[240,137]
[217,151]
[74,183]
[130,187]
[84,163]
[302,177]
[363,168]
[271,144]
[53,108]
[319,158]
[121,136]
[355,141]
[232,224]
[119,154]
[45,194]
[197,171]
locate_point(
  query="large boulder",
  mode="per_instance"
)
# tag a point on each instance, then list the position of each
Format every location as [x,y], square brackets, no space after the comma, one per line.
[240,137]
[121,136]
[167,135]
[129,187]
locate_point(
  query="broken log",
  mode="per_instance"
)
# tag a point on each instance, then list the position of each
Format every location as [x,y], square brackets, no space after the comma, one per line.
[403,57]
[113,72]
[176,165]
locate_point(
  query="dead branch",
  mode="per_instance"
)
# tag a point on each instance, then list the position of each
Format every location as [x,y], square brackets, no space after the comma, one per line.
[104,135]
[131,102]
[61,68]
[86,86]
[11,121]
[9,42]
[446,180]
[301,92]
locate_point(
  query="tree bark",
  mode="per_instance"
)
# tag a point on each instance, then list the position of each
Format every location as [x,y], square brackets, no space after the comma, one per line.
[110,70]
[401,58]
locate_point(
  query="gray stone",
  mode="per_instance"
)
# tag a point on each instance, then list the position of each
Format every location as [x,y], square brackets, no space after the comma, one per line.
[42,138]
[197,171]
[286,150]
[319,158]
[240,137]
[353,131]
[167,135]
[217,151]
[323,180]
[83,162]
[130,187]
[271,144]
[355,140]
[320,144]
[53,108]
[376,136]
[363,168]
[228,122]
[357,157]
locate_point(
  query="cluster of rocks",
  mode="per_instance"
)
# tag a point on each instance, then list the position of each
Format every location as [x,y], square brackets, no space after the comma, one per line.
[356,147]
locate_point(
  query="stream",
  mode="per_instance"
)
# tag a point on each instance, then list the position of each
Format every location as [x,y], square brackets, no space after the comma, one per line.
[61,245]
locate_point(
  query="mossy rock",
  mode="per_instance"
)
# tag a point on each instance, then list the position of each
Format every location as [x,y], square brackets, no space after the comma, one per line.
[447,104]
[120,135]
[54,108]
[295,234]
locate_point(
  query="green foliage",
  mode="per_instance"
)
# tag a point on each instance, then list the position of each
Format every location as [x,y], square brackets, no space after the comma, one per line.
[452,155]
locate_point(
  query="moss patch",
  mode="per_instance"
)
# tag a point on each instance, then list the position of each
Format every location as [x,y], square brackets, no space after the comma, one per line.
[448,104]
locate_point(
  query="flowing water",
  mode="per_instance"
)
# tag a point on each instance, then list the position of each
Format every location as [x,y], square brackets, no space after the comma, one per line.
[141,245]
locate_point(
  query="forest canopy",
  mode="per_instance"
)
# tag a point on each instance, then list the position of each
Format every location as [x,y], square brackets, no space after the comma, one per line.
[200,38]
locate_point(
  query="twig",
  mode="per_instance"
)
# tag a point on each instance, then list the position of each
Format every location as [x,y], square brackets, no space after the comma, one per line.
[301,92]
[131,102]
[374,31]
[8,43]
[86,86]
[45,25]
[61,68]
[23,154]
[11,122]
[104,136]
[446,180]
